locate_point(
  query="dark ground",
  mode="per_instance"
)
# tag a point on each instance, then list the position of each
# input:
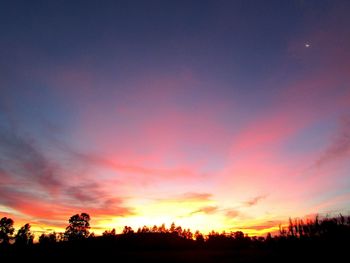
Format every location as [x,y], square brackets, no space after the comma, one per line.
[90,252]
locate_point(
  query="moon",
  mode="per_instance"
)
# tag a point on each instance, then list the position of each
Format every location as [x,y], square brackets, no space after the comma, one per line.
[307,45]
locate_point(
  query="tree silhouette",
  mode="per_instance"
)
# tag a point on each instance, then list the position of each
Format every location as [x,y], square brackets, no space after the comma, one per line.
[172,227]
[127,230]
[154,229]
[78,227]
[162,229]
[109,233]
[144,229]
[47,239]
[178,230]
[24,236]
[239,235]
[199,237]
[6,229]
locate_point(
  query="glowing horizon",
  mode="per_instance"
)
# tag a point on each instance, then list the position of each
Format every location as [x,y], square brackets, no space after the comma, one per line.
[215,117]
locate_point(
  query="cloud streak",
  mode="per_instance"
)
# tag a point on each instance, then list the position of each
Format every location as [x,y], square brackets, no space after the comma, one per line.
[206,210]
[254,201]
[21,159]
[232,213]
[37,187]
[339,147]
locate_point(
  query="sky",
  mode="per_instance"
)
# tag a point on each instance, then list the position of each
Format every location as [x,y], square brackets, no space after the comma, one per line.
[215,115]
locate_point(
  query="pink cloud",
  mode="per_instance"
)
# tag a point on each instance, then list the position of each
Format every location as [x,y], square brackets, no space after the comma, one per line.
[258,161]
[34,206]
[139,170]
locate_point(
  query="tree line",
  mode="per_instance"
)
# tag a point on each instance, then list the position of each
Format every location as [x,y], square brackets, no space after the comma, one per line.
[79,229]
[300,240]
[22,237]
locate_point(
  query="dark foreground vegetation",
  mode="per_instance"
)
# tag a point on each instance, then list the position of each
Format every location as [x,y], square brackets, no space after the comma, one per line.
[314,240]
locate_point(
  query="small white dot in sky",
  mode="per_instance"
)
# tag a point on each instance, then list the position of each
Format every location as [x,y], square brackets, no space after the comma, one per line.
[307,45]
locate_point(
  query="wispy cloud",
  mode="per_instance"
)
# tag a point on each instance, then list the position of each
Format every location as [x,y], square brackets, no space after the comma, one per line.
[188,197]
[20,158]
[255,200]
[339,147]
[192,196]
[35,186]
[206,210]
[264,226]
[142,172]
[232,213]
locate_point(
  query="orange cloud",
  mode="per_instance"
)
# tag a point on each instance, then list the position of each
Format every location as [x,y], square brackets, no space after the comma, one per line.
[232,213]
[206,210]
[196,197]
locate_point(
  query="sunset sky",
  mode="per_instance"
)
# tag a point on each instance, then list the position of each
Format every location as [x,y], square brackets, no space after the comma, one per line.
[224,115]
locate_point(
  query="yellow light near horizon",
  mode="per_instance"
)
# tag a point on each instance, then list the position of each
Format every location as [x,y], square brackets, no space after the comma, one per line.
[187,214]
[192,214]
